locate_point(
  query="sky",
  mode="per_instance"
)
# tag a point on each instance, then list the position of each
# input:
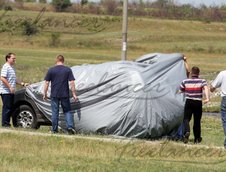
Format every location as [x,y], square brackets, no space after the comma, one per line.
[193,2]
[206,2]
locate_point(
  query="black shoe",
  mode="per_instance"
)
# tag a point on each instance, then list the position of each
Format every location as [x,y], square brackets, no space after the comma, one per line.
[198,140]
[6,126]
[186,137]
[71,131]
[54,132]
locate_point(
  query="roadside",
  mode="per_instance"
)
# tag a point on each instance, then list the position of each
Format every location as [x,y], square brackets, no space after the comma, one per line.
[113,139]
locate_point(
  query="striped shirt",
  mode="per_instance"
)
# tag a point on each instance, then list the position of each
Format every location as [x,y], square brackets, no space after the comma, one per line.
[9,73]
[193,88]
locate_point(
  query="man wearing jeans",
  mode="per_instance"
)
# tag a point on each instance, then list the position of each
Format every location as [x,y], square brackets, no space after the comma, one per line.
[59,76]
[7,88]
[220,81]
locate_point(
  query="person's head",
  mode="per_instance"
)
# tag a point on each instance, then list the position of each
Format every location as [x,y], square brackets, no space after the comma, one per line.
[10,58]
[60,59]
[195,71]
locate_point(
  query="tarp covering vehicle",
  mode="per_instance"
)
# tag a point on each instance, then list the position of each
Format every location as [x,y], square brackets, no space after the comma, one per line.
[137,99]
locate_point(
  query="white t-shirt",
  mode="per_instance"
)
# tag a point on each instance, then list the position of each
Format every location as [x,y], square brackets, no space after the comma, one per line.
[9,73]
[220,81]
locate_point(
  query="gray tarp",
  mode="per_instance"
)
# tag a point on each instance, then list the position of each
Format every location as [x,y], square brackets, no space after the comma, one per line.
[124,98]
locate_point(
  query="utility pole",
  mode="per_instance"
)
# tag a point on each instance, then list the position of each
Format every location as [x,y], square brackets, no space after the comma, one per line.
[124,29]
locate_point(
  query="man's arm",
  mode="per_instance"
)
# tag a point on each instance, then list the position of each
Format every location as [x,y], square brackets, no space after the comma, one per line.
[19,82]
[186,66]
[72,84]
[206,94]
[46,86]
[216,83]
[5,81]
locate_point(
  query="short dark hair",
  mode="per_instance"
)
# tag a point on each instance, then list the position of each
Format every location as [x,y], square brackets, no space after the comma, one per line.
[9,55]
[195,71]
[60,58]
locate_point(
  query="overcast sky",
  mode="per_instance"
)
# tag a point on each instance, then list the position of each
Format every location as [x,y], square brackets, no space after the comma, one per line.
[206,2]
[193,2]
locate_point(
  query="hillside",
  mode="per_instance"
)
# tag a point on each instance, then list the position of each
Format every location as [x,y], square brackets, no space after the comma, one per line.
[96,39]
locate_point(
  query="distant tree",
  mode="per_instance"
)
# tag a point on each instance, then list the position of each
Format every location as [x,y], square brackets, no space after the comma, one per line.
[141,4]
[29,0]
[223,7]
[43,1]
[161,3]
[5,5]
[19,3]
[110,5]
[187,10]
[61,5]
[29,28]
[2,3]
[84,2]
[216,14]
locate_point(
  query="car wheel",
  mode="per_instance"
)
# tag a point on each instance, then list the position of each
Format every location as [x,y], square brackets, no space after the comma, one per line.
[25,117]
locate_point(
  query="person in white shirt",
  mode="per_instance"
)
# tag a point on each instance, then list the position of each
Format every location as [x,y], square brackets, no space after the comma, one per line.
[7,88]
[220,82]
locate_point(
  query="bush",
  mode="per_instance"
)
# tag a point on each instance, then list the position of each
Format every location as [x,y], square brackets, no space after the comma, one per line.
[110,6]
[61,5]
[2,3]
[29,28]
[43,1]
[84,2]
[54,39]
[8,8]
[19,4]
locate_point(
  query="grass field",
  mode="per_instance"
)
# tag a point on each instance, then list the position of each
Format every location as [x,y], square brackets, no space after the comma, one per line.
[203,43]
[25,152]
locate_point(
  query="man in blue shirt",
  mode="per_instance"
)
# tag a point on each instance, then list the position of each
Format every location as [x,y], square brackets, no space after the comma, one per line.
[59,76]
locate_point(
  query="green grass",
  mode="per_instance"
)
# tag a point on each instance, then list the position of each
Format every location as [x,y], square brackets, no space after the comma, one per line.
[22,152]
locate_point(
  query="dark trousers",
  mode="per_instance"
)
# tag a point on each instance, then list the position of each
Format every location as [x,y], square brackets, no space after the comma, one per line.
[193,107]
[7,101]
[223,116]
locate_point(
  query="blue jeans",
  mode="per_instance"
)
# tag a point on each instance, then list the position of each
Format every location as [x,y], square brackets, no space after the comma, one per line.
[223,116]
[7,100]
[65,104]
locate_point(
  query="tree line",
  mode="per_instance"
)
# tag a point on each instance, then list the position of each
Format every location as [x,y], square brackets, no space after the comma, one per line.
[165,9]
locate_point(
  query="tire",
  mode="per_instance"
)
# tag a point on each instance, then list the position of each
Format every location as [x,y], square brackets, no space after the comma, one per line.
[25,117]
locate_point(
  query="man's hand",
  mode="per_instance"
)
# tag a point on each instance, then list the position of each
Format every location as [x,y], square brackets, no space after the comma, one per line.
[206,101]
[212,89]
[24,84]
[75,97]
[12,90]
[45,90]
[45,97]
[179,91]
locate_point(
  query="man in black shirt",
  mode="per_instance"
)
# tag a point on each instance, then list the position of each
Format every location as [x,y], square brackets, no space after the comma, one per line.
[59,76]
